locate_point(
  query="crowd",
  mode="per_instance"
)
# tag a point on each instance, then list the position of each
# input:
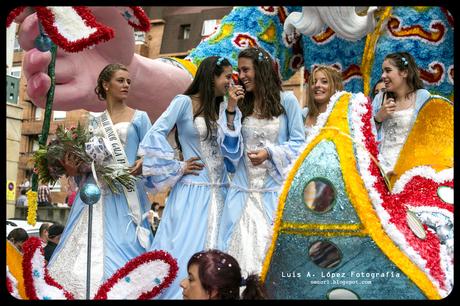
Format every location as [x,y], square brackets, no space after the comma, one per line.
[238,142]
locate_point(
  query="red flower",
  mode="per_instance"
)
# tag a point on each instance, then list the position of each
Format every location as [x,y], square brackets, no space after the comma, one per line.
[35,170]
[74,136]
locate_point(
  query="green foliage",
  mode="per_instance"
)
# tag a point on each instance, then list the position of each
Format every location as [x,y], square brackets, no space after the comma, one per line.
[49,159]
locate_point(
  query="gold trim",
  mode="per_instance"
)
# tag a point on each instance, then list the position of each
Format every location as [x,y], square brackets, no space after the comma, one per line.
[359,198]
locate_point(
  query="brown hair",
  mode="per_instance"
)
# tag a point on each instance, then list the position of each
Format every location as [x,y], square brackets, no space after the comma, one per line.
[403,61]
[335,81]
[268,85]
[221,272]
[105,76]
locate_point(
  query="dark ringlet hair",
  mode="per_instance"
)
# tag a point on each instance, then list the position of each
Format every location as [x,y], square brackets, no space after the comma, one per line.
[105,76]
[221,272]
[268,85]
[203,84]
[413,74]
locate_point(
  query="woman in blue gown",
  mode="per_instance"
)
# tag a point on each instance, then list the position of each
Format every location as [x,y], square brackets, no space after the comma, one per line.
[268,142]
[192,211]
[120,230]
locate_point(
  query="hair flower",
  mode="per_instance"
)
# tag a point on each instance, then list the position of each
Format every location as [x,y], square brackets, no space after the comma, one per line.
[404,61]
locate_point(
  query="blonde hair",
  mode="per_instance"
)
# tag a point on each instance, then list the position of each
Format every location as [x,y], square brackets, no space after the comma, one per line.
[334,78]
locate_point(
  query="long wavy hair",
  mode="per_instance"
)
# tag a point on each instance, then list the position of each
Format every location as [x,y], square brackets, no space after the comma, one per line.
[203,85]
[334,78]
[105,76]
[267,85]
[413,75]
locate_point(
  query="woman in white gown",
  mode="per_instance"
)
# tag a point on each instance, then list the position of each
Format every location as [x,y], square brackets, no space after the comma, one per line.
[260,142]
[396,109]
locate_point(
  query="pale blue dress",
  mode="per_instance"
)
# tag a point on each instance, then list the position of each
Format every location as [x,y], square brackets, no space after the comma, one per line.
[252,198]
[114,239]
[192,211]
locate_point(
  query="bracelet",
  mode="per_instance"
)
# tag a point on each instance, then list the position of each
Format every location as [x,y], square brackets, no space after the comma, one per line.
[230,113]
[377,121]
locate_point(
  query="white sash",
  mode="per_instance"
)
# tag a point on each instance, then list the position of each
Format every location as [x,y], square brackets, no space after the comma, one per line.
[119,157]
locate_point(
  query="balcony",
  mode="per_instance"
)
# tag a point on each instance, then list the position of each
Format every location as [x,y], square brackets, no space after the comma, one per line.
[34,127]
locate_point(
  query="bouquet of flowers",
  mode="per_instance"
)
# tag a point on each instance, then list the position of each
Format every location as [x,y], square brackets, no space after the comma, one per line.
[67,155]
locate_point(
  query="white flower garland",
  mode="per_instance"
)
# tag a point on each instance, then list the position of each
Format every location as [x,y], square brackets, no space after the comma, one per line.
[358,109]
[322,119]
[423,171]
[14,284]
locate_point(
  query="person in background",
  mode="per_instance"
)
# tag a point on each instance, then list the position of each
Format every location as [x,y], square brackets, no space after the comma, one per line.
[22,199]
[54,235]
[43,232]
[215,275]
[154,217]
[44,196]
[378,87]
[17,237]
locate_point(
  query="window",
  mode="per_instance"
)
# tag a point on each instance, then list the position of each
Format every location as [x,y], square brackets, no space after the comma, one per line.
[16,71]
[209,26]
[35,145]
[59,115]
[17,47]
[38,113]
[184,31]
[139,37]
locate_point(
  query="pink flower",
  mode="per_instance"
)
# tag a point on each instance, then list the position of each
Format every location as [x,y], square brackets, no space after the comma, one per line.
[35,170]
[74,136]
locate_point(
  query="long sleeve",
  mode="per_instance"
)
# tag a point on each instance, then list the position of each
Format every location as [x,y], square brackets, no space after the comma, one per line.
[159,166]
[284,154]
[142,126]
[231,142]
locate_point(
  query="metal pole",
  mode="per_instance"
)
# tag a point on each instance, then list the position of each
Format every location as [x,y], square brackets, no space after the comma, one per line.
[88,257]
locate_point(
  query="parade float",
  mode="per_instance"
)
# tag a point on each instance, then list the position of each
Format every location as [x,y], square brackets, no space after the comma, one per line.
[343,229]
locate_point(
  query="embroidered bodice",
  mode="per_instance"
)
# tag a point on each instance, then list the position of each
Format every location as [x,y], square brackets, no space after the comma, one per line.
[210,151]
[258,133]
[394,133]
[122,130]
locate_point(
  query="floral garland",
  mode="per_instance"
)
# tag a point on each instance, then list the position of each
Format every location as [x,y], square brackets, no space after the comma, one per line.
[73,29]
[12,284]
[355,185]
[142,23]
[138,275]
[38,284]
[13,14]
[76,28]
[375,186]
[443,176]
[32,202]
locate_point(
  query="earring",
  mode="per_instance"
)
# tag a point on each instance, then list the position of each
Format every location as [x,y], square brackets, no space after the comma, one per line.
[106,88]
